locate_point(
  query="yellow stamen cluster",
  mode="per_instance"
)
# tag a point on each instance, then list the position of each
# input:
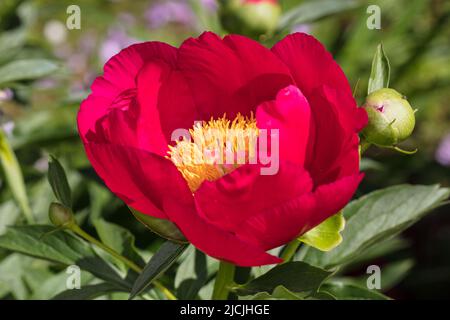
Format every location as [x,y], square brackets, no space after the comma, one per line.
[216,148]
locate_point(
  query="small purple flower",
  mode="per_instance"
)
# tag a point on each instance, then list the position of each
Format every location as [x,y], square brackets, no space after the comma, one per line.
[304,28]
[41,164]
[210,5]
[8,128]
[115,41]
[164,12]
[6,94]
[443,151]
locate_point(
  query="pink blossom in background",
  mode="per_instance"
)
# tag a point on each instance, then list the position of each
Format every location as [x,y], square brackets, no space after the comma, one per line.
[305,28]
[6,94]
[210,5]
[443,151]
[115,41]
[164,12]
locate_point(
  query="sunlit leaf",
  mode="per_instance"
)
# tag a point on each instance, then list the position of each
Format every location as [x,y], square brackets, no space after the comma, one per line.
[14,176]
[326,236]
[376,217]
[26,70]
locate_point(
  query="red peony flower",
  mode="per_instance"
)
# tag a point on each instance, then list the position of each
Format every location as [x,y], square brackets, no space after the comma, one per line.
[231,212]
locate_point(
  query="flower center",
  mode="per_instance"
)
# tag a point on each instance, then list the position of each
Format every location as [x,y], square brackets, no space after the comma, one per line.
[215,148]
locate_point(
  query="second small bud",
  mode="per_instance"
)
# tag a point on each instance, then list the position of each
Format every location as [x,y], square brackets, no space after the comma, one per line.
[252,18]
[391,118]
[60,215]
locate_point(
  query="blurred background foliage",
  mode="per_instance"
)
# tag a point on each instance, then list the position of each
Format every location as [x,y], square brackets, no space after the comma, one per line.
[46,71]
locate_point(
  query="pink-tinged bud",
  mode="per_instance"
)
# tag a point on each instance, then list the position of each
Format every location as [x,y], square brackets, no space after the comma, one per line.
[252,18]
[391,118]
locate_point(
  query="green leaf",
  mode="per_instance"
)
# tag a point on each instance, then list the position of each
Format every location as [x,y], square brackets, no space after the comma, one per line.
[60,247]
[58,181]
[101,200]
[14,176]
[160,262]
[370,164]
[26,70]
[45,127]
[376,217]
[193,272]
[394,273]
[279,293]
[381,70]
[313,10]
[343,290]
[119,239]
[48,284]
[9,213]
[10,43]
[298,277]
[383,248]
[88,292]
[326,236]
[12,272]
[163,228]
[391,274]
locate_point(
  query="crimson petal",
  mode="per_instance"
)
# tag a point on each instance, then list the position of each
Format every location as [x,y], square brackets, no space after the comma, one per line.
[230,75]
[276,226]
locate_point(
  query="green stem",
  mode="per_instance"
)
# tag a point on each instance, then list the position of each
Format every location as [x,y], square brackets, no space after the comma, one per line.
[363,146]
[169,295]
[224,278]
[290,250]
[75,228]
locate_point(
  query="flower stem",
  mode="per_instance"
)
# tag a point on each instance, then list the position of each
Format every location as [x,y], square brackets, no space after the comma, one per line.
[169,295]
[115,254]
[290,250]
[363,146]
[75,228]
[224,278]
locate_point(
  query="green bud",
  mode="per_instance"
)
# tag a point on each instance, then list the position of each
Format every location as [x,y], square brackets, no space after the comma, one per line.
[391,118]
[60,215]
[250,18]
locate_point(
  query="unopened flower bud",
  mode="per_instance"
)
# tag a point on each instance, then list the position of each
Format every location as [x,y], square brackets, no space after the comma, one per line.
[252,18]
[391,118]
[60,215]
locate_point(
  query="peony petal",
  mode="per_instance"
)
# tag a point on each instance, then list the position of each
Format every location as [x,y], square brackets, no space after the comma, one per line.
[152,185]
[310,64]
[281,224]
[235,197]
[121,69]
[291,115]
[230,75]
[215,241]
[136,176]
[333,150]
[119,76]
[176,106]
[209,238]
